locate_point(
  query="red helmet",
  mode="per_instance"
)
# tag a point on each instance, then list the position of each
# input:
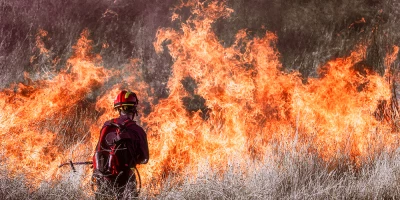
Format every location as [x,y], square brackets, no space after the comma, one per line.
[125,98]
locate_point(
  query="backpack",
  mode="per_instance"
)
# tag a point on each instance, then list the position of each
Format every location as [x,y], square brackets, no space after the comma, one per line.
[112,154]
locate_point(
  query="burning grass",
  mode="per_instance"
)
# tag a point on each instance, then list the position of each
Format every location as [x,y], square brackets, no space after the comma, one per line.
[228,121]
[294,176]
[287,174]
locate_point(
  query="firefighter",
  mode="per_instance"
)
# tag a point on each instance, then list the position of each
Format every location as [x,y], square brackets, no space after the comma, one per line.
[121,146]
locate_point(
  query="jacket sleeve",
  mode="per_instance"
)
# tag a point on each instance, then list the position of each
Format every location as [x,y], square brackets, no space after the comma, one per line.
[145,148]
[99,144]
[143,157]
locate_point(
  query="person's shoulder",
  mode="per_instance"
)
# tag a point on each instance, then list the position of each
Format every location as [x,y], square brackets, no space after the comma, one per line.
[108,122]
[132,124]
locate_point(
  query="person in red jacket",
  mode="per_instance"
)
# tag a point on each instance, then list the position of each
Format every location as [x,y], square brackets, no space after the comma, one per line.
[121,146]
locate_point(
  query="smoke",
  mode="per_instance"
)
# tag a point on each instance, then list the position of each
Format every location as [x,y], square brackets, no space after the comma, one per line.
[139,44]
[310,32]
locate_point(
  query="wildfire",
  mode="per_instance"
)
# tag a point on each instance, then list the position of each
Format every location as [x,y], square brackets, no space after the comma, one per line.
[34,117]
[249,102]
[224,103]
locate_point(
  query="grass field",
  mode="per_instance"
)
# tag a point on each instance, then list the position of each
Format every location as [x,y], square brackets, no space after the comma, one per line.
[237,97]
[289,176]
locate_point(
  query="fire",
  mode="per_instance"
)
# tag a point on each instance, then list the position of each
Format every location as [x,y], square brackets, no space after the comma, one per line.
[224,103]
[340,106]
[249,102]
[36,117]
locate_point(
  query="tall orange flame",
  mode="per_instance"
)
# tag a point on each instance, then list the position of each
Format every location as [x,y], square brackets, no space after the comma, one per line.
[224,103]
[249,102]
[32,115]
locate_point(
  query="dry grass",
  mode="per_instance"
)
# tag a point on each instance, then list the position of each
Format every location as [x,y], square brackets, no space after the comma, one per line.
[290,175]
[309,34]
[294,175]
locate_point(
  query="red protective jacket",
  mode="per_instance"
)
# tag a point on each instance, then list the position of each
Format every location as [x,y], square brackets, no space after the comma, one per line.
[133,135]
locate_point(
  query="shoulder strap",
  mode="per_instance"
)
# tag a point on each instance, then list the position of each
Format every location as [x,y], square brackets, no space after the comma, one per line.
[114,122]
[122,126]
[128,122]
[109,122]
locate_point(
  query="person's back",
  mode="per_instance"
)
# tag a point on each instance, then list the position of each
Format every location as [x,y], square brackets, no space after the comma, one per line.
[122,145]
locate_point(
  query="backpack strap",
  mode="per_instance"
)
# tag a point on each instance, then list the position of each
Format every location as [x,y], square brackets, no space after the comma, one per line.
[109,123]
[115,123]
[128,122]
[122,127]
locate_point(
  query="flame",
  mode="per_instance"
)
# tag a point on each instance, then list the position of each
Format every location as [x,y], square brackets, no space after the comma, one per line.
[35,115]
[224,103]
[247,101]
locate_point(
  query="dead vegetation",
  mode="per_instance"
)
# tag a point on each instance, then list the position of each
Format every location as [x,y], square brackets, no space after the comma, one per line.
[309,32]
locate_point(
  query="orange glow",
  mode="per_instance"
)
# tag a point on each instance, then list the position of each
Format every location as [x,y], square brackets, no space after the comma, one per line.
[251,102]
[33,116]
[245,103]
